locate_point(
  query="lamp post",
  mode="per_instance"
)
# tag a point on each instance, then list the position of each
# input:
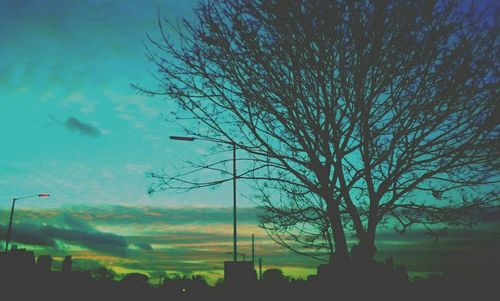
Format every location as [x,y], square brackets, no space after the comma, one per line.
[190,139]
[7,240]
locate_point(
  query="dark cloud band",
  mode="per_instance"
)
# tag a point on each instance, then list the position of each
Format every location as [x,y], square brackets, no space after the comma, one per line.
[76,232]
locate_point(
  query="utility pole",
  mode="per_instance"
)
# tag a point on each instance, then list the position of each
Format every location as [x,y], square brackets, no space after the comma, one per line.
[191,139]
[235,251]
[253,251]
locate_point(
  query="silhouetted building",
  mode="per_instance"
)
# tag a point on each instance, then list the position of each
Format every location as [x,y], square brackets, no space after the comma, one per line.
[67,264]
[44,263]
[239,274]
[17,261]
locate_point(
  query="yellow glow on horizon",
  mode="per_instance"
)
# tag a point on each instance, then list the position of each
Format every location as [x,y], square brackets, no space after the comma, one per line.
[159,228]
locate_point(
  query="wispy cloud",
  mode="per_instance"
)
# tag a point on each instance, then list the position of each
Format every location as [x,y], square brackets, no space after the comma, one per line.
[135,109]
[77,98]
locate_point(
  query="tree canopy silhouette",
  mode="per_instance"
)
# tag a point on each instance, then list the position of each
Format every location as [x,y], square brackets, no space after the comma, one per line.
[351,114]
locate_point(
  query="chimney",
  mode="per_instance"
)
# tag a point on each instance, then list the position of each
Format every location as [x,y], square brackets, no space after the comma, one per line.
[44,263]
[67,264]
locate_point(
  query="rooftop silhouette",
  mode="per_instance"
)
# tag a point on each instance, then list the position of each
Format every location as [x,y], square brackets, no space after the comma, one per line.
[19,269]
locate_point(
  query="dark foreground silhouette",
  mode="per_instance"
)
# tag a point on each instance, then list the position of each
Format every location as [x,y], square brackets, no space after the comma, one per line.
[22,278]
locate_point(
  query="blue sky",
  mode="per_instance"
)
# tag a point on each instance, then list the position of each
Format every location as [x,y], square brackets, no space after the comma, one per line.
[70,124]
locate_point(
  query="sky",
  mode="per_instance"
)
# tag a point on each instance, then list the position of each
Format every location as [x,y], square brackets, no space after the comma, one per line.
[72,126]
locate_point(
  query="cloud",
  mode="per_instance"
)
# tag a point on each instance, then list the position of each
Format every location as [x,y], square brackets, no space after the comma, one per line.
[28,234]
[73,124]
[121,231]
[74,223]
[133,108]
[144,246]
[107,243]
[187,240]
[116,215]
[77,98]
[69,230]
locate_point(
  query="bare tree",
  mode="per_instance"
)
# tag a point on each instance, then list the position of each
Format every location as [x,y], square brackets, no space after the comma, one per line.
[354,114]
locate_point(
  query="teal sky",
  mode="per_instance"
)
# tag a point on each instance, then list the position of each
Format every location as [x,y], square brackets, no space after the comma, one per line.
[72,126]
[70,123]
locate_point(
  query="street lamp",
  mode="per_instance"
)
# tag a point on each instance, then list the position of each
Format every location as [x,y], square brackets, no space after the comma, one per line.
[7,240]
[190,139]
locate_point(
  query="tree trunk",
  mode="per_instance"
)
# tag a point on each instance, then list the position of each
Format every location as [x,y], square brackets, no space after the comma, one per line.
[366,250]
[341,255]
